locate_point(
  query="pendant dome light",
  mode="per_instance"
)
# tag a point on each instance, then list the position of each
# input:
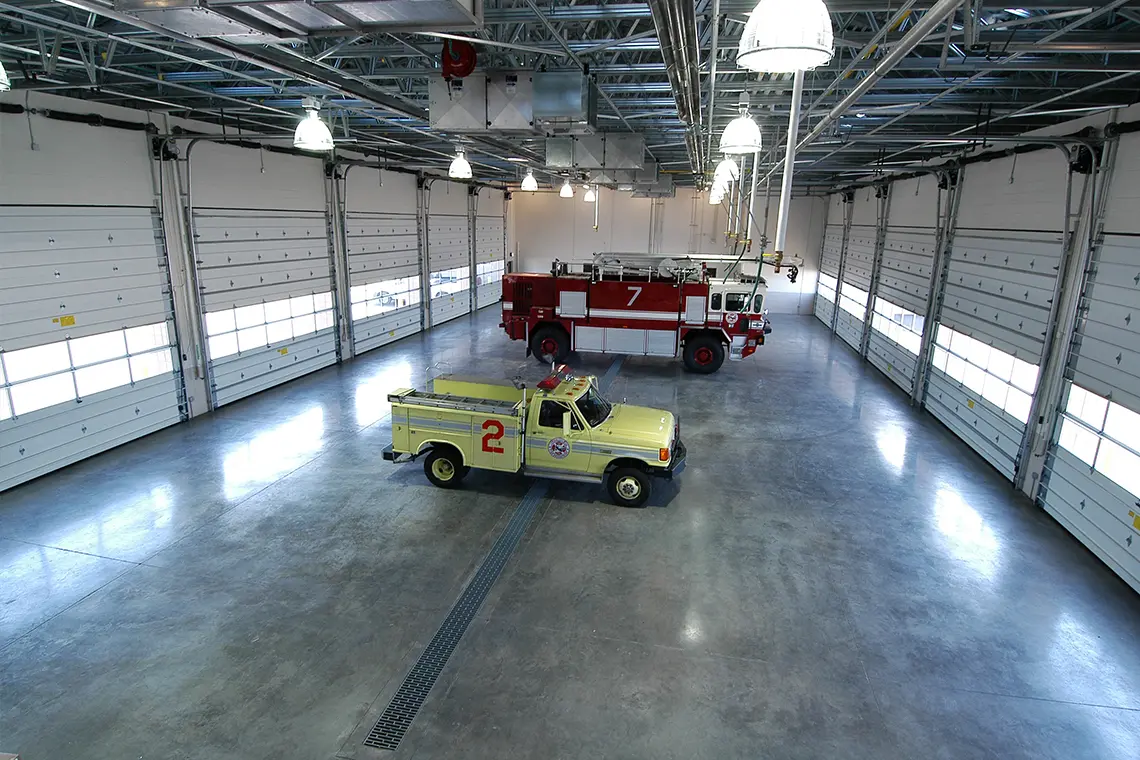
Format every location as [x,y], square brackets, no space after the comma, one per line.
[567,190]
[742,135]
[726,169]
[784,36]
[460,168]
[312,133]
[529,183]
[591,196]
[5,82]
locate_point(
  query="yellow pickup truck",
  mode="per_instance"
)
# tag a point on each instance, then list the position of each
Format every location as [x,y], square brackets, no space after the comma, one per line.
[563,429]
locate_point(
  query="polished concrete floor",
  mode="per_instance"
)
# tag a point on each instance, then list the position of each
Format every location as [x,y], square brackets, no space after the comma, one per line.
[835,576]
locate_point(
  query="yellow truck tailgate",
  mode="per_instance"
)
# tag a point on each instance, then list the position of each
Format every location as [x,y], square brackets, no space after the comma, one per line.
[487,432]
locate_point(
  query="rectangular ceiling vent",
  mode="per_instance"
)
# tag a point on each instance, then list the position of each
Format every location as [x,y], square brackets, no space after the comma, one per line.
[260,23]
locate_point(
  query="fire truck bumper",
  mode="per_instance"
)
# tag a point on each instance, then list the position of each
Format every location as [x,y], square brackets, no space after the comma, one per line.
[676,461]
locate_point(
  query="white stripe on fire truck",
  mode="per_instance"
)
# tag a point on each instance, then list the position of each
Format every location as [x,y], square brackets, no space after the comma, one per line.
[593,448]
[508,306]
[424,423]
[662,316]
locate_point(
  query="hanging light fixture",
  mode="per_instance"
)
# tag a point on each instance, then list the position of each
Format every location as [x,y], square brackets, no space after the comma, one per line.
[529,183]
[460,168]
[742,135]
[5,82]
[784,36]
[567,190]
[312,133]
[727,169]
[590,196]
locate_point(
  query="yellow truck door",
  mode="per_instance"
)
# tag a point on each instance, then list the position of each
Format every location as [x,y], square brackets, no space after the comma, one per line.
[549,447]
[497,442]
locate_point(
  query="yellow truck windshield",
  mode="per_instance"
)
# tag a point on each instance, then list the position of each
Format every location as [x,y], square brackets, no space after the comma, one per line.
[593,407]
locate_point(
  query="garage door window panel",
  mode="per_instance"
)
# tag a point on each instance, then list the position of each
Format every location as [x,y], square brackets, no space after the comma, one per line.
[1104,435]
[1003,380]
[55,373]
[257,326]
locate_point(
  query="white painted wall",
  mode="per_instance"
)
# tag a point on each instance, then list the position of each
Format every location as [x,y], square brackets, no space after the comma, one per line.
[545,227]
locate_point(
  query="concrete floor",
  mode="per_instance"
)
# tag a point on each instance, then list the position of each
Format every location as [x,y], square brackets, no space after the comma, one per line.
[834,576]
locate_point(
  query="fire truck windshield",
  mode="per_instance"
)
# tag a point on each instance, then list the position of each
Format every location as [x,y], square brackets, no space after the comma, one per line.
[594,408]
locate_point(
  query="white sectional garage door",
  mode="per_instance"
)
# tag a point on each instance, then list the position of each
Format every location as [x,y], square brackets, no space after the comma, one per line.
[858,262]
[1002,273]
[264,267]
[449,252]
[490,247]
[86,322]
[830,258]
[86,335]
[904,280]
[1092,480]
[382,236]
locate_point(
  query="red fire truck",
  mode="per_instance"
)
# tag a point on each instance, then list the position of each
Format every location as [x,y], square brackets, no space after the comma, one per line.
[611,306]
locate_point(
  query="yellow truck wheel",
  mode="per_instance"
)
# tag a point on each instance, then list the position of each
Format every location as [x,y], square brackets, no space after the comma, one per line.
[444,467]
[628,487]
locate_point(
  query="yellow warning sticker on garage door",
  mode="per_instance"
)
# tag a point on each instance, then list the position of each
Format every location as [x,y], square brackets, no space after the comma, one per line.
[1135,520]
[283,351]
[970,403]
[68,320]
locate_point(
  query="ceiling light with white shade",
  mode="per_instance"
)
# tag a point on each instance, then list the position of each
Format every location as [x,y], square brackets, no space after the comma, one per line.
[567,190]
[727,169]
[460,167]
[784,36]
[742,135]
[312,133]
[590,196]
[529,183]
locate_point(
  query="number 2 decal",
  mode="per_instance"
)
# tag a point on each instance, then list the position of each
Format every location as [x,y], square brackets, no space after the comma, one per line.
[496,432]
[636,292]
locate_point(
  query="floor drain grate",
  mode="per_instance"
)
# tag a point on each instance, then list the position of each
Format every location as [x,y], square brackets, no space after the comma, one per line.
[611,374]
[401,711]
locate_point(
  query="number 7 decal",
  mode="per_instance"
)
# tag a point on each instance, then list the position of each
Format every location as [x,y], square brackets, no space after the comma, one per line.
[636,292]
[497,432]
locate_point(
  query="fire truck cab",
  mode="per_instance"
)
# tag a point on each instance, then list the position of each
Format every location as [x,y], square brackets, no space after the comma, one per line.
[613,305]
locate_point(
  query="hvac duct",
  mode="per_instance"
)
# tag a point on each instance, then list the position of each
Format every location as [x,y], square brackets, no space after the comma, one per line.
[676,22]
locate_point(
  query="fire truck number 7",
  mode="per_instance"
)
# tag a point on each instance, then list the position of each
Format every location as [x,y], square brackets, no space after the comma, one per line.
[636,292]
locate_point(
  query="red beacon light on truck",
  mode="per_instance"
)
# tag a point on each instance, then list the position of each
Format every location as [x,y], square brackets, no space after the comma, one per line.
[561,374]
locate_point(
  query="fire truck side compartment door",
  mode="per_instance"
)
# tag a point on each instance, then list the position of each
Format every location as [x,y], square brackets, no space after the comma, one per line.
[695,308]
[572,303]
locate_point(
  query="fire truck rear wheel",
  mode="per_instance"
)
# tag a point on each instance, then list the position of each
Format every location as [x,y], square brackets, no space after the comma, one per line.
[550,343]
[444,467]
[703,354]
[628,487]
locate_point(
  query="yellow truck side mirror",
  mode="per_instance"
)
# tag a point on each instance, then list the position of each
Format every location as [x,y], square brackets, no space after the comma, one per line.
[565,424]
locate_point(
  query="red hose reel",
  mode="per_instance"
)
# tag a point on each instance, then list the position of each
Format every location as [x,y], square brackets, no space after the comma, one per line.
[458,59]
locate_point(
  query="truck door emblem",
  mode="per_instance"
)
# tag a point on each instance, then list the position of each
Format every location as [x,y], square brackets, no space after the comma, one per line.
[559,448]
[731,318]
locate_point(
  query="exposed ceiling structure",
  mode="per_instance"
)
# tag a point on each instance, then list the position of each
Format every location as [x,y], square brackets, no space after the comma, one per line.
[988,71]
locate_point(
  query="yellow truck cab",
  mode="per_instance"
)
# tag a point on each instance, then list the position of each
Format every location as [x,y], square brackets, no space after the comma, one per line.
[563,429]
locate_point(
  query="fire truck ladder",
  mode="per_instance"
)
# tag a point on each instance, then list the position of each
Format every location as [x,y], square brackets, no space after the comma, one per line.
[640,265]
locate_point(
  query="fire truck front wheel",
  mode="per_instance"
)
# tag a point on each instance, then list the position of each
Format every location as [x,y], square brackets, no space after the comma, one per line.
[628,487]
[550,344]
[703,354]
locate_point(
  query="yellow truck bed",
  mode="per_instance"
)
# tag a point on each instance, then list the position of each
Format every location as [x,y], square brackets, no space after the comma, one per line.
[488,432]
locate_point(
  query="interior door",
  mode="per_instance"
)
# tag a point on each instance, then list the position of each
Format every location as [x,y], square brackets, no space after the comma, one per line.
[550,447]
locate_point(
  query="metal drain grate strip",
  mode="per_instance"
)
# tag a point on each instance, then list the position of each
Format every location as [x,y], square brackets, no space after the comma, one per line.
[397,717]
[401,711]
